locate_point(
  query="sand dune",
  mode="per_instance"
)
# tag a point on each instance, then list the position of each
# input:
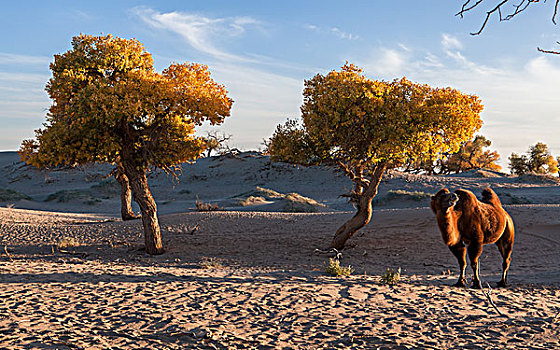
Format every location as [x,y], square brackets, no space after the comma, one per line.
[250,279]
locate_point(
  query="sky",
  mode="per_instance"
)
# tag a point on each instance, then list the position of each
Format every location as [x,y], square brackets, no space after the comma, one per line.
[262,51]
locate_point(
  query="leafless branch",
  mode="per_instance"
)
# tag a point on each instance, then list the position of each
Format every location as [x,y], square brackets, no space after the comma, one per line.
[548,51]
[79,254]
[489,14]
[7,254]
[465,8]
[487,294]
[191,231]
[517,9]
[336,253]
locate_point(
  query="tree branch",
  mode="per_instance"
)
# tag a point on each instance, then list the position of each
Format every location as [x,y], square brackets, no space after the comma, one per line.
[522,6]
[548,51]
[465,8]
[488,14]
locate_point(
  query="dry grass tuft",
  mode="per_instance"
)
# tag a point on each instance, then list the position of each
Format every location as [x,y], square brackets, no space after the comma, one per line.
[201,206]
[391,276]
[333,268]
[68,242]
[211,263]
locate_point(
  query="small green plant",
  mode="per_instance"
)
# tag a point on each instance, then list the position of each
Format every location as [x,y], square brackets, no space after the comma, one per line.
[68,242]
[210,263]
[391,276]
[333,268]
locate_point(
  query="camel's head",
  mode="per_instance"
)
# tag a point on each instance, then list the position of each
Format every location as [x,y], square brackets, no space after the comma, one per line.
[443,200]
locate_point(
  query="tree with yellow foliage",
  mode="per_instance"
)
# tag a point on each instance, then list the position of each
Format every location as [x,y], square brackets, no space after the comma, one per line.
[111,106]
[537,160]
[472,155]
[365,127]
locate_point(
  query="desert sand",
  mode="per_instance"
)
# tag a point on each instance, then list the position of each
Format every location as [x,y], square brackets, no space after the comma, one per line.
[73,276]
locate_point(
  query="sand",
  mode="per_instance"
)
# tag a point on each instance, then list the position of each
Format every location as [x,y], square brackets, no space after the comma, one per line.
[252,279]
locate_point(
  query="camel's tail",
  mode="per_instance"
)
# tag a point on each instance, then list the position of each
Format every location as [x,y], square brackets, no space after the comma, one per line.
[490,197]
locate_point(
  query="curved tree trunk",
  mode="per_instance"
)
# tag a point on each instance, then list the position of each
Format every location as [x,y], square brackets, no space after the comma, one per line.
[143,196]
[126,194]
[364,210]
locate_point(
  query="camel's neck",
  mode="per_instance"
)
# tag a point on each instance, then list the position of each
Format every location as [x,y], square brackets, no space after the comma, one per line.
[447,222]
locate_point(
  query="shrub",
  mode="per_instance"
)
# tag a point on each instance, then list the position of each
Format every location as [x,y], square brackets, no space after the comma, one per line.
[66,196]
[11,195]
[402,195]
[107,187]
[68,242]
[261,192]
[296,203]
[333,268]
[251,200]
[211,263]
[201,206]
[391,276]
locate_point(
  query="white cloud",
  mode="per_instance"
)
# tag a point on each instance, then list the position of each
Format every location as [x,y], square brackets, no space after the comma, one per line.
[201,32]
[521,101]
[262,101]
[450,42]
[385,63]
[10,58]
[339,33]
[342,34]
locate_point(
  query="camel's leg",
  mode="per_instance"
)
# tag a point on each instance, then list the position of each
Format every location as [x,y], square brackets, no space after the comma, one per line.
[505,246]
[460,253]
[475,250]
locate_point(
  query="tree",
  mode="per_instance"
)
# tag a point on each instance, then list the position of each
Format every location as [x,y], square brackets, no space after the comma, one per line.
[111,106]
[365,127]
[497,9]
[538,160]
[518,164]
[214,141]
[471,155]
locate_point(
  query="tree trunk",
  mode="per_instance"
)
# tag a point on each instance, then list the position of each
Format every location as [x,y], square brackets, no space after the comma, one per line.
[126,194]
[364,210]
[143,196]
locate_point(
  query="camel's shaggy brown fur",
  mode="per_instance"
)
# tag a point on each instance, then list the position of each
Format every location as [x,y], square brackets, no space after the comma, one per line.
[464,220]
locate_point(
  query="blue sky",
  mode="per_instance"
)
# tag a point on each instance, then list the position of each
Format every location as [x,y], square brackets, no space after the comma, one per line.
[263,50]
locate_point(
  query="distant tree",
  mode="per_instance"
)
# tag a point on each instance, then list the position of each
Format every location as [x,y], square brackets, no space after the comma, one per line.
[365,127]
[500,9]
[518,164]
[110,106]
[472,155]
[538,160]
[214,141]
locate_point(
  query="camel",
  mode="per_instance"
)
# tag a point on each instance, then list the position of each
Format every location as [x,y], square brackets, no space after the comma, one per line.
[464,220]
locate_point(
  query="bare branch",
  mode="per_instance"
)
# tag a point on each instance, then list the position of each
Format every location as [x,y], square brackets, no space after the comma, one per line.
[487,294]
[518,9]
[7,254]
[488,14]
[555,11]
[548,51]
[465,8]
